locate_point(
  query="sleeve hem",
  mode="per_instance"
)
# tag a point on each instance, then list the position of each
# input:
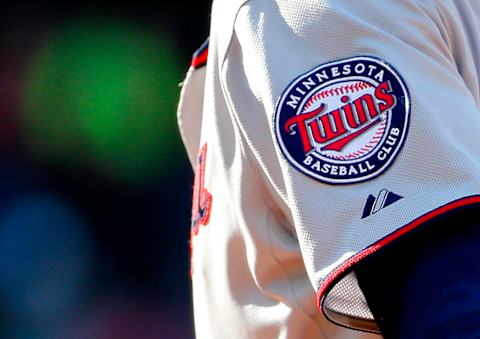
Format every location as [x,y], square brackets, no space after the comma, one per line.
[347,266]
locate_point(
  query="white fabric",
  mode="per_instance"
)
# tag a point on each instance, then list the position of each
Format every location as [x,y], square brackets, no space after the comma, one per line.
[274,233]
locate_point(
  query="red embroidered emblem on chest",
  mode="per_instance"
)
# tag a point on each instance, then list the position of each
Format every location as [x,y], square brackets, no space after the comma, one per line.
[202,199]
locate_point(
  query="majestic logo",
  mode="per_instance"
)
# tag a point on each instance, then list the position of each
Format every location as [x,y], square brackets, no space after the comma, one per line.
[384,199]
[343,122]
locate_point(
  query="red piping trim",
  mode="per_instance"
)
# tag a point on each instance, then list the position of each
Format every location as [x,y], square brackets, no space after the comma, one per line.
[346,266]
[200,59]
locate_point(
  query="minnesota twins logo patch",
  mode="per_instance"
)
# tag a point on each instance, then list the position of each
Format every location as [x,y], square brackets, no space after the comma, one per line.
[345,121]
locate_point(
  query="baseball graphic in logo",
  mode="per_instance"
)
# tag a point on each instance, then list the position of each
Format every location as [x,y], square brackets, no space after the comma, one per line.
[345,121]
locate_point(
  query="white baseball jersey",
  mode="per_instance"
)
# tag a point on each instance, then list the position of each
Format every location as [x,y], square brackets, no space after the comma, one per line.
[322,131]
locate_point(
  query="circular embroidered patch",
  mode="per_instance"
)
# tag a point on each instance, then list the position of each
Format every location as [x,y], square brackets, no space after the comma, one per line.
[345,121]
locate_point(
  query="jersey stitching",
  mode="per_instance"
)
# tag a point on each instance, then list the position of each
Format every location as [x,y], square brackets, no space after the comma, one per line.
[229,100]
[290,285]
[271,250]
[248,166]
[444,29]
[236,125]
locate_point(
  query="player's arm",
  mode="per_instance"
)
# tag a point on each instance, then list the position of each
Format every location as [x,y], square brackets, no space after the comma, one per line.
[427,285]
[363,118]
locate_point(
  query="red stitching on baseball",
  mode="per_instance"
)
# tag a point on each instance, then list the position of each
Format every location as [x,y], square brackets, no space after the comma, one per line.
[367,148]
[358,86]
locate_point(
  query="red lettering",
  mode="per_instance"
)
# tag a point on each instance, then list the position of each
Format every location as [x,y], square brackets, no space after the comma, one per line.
[331,126]
[300,121]
[202,199]
[349,115]
[382,93]
[365,102]
[328,129]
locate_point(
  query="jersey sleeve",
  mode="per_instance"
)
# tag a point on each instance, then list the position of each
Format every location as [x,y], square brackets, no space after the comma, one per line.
[363,119]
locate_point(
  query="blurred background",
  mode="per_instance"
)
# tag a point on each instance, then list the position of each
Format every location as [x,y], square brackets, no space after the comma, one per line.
[95,187]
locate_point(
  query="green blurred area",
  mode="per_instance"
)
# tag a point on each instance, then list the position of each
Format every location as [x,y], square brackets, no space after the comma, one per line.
[102,95]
